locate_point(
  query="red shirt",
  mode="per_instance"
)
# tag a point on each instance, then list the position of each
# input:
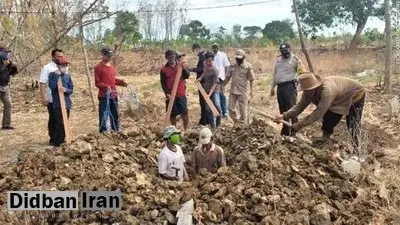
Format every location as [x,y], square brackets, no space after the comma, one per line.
[169,74]
[105,77]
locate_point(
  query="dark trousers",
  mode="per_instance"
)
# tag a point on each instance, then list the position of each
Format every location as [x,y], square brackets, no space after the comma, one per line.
[203,111]
[51,125]
[224,106]
[287,97]
[113,114]
[59,132]
[353,121]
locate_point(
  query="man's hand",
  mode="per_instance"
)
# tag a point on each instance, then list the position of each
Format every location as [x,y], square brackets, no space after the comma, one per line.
[63,89]
[168,96]
[296,127]
[44,101]
[279,118]
[197,81]
[272,92]
[124,84]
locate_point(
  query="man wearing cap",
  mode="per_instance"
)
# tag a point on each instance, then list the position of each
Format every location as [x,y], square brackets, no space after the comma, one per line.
[167,78]
[106,81]
[222,63]
[196,49]
[285,77]
[67,89]
[45,92]
[334,97]
[7,70]
[208,155]
[241,74]
[171,161]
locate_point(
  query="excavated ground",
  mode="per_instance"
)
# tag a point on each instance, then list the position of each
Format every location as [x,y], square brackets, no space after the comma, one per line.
[269,180]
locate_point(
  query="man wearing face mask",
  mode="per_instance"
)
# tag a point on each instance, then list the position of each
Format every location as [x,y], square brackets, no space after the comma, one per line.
[7,70]
[171,161]
[241,74]
[45,92]
[208,155]
[284,76]
[67,89]
[222,63]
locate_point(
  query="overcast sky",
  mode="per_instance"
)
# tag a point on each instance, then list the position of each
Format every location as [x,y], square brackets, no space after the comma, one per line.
[259,14]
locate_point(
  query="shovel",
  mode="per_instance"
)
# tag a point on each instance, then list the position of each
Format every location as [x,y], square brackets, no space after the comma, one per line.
[272,117]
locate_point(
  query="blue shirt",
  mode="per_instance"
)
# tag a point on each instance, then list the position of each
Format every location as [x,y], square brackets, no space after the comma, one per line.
[66,83]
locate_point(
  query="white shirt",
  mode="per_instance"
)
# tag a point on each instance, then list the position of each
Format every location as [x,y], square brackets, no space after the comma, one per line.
[221,62]
[168,159]
[44,77]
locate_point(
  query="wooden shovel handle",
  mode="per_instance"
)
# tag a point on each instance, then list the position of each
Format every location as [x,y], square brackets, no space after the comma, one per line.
[272,117]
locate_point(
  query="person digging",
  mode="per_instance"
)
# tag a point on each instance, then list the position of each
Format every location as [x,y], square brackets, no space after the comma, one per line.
[334,97]
[171,161]
[208,155]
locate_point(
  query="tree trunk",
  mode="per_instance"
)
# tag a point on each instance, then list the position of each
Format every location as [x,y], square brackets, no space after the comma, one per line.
[388,52]
[303,46]
[82,37]
[357,36]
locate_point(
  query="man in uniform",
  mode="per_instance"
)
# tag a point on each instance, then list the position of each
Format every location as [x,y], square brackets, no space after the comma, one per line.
[284,76]
[241,74]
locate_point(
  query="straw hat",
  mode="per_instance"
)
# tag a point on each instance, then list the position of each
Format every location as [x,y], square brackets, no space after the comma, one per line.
[309,81]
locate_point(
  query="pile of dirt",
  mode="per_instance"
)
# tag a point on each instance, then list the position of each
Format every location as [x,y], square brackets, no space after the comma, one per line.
[268,181]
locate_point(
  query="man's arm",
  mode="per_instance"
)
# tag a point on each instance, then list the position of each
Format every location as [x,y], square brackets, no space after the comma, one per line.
[273,79]
[297,109]
[250,77]
[185,73]
[13,69]
[228,76]
[70,86]
[120,82]
[163,80]
[327,98]
[43,79]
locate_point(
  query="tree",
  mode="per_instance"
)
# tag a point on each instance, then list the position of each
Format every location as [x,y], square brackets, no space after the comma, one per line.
[127,28]
[388,52]
[194,30]
[320,14]
[278,31]
[252,31]
[219,36]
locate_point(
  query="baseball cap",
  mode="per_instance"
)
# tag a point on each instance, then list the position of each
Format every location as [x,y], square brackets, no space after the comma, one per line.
[214,45]
[205,136]
[62,60]
[240,54]
[107,51]
[170,130]
[284,46]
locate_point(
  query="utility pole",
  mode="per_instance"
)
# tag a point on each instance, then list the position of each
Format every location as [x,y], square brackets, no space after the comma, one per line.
[388,52]
[303,46]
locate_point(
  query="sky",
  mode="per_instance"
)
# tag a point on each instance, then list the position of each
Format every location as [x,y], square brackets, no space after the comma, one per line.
[258,14]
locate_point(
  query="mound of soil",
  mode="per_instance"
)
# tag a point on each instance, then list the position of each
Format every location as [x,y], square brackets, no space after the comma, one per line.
[269,180]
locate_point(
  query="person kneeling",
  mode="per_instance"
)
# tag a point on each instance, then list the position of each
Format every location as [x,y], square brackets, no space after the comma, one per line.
[208,155]
[171,159]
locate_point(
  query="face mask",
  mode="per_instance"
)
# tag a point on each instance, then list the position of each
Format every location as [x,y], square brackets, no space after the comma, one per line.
[175,139]
[285,54]
[215,51]
[239,61]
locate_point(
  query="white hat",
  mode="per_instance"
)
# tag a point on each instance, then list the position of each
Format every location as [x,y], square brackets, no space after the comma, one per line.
[170,130]
[205,136]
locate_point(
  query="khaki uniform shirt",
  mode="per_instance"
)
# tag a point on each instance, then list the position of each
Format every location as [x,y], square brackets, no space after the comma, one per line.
[211,160]
[336,94]
[240,76]
[286,70]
